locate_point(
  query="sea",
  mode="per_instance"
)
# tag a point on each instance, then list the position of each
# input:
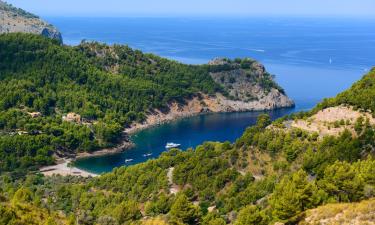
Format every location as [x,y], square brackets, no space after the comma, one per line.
[311,58]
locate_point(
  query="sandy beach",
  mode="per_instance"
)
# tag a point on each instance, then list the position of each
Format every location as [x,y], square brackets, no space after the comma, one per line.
[64,170]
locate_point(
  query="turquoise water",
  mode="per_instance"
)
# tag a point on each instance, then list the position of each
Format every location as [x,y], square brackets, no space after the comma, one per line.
[311,58]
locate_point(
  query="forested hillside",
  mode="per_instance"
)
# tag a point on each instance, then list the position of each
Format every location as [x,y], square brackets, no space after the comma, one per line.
[360,95]
[62,100]
[273,173]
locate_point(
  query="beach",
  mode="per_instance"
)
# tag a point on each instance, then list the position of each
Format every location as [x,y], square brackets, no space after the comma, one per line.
[64,169]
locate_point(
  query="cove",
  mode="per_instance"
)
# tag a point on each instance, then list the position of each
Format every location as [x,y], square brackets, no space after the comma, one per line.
[312,59]
[189,132]
[306,85]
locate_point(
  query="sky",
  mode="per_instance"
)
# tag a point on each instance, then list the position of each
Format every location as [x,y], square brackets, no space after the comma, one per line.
[124,8]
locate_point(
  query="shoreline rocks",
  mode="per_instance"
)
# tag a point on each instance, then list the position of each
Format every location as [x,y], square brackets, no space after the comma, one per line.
[205,104]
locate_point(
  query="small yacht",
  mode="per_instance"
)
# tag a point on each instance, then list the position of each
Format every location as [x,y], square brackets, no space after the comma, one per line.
[128,160]
[147,155]
[172,145]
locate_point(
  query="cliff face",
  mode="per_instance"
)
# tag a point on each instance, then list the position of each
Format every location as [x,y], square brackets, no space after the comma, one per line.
[248,88]
[17,20]
[249,85]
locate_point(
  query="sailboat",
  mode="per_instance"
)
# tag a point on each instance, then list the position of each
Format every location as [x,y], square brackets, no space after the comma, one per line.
[330,61]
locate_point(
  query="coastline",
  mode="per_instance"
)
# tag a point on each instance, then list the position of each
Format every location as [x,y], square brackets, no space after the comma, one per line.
[65,169]
[126,144]
[193,107]
[207,105]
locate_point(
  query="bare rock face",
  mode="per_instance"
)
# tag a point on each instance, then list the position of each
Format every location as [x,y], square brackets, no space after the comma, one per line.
[13,20]
[247,81]
[52,33]
[249,88]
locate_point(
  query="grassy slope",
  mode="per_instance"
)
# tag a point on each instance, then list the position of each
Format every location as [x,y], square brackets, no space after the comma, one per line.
[355,213]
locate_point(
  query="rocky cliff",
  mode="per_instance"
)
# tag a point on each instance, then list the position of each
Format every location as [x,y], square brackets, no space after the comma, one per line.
[13,20]
[248,84]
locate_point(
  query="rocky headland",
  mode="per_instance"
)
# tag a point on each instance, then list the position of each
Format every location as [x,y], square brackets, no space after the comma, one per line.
[248,88]
[13,20]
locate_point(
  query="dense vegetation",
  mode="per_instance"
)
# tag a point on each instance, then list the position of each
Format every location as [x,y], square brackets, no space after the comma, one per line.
[272,173]
[109,87]
[216,185]
[40,75]
[216,175]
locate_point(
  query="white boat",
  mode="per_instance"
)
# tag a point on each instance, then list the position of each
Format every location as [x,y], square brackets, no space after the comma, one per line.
[128,160]
[147,155]
[172,145]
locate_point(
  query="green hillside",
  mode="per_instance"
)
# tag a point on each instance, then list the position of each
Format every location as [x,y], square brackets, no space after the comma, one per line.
[39,75]
[360,95]
[270,174]
[98,89]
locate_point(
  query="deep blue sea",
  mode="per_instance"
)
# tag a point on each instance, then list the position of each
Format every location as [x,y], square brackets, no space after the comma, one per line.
[312,58]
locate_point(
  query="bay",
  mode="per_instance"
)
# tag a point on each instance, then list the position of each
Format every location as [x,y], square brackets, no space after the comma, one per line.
[312,58]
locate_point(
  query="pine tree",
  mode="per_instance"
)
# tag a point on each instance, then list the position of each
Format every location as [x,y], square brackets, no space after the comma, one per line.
[293,195]
[185,211]
[251,215]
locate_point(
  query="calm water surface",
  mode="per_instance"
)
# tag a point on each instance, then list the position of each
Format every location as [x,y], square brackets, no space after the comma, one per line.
[188,132]
[311,58]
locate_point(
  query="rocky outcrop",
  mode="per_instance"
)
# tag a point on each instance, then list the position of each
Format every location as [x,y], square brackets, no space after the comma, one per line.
[210,104]
[13,20]
[248,84]
[332,121]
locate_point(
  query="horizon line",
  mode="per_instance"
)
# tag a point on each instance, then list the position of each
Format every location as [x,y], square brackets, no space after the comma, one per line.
[212,16]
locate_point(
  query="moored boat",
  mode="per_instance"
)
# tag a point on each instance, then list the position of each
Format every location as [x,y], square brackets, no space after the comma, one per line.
[172,145]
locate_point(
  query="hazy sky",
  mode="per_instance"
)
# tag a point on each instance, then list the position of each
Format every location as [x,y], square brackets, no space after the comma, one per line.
[198,7]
